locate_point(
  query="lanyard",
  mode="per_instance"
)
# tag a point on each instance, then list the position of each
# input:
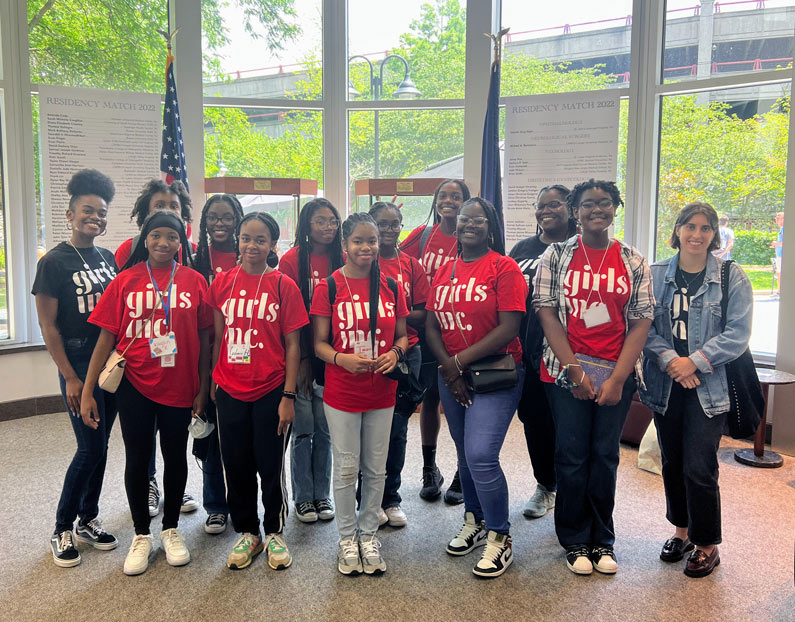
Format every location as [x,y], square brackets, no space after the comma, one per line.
[87,267]
[595,275]
[167,302]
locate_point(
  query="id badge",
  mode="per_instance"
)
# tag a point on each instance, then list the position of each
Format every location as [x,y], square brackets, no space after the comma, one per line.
[365,348]
[238,353]
[596,315]
[167,360]
[163,346]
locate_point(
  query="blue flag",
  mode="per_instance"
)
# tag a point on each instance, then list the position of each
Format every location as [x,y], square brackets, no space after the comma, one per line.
[490,175]
[172,152]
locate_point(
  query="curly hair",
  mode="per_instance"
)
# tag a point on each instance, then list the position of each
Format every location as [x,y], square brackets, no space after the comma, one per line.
[496,243]
[202,258]
[90,181]
[573,199]
[152,187]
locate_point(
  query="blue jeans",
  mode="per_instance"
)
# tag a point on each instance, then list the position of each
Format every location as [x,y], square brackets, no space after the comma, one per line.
[310,457]
[586,461]
[214,488]
[396,456]
[479,432]
[83,482]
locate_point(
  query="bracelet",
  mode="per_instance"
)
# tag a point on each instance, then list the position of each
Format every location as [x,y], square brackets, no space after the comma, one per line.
[458,365]
[399,350]
[290,395]
[335,357]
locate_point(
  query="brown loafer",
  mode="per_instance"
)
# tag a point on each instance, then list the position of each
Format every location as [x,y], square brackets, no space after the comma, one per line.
[699,564]
[674,549]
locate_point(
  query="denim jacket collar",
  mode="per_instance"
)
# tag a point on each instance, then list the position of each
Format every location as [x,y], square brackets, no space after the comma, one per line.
[712,275]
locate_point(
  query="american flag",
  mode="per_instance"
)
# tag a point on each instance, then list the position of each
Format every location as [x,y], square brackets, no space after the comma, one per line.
[172,153]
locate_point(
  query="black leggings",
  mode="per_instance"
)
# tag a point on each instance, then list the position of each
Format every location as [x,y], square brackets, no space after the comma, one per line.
[138,416]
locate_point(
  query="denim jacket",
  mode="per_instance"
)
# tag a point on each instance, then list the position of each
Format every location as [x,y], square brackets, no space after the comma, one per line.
[710,348]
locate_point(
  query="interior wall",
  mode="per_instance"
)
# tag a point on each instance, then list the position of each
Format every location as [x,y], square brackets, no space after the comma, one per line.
[27,375]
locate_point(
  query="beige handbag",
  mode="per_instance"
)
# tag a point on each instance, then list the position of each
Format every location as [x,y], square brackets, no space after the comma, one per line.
[113,371]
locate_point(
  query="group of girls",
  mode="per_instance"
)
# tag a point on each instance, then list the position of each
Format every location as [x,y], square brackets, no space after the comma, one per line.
[571,309]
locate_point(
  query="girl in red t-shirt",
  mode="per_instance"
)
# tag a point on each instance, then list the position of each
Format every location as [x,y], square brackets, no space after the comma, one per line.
[478,301]
[316,253]
[366,323]
[407,272]
[434,246]
[159,309]
[216,253]
[258,313]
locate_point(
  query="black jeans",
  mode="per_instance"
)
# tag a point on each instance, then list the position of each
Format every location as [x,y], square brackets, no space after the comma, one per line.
[138,416]
[250,445]
[586,461]
[539,429]
[689,443]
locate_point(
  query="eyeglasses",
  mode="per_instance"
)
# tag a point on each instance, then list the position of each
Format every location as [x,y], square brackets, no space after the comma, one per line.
[477,220]
[603,203]
[390,226]
[322,223]
[227,219]
[454,196]
[549,204]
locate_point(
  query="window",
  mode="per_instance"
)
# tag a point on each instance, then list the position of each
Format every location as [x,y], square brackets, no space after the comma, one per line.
[267,50]
[4,329]
[729,148]
[716,38]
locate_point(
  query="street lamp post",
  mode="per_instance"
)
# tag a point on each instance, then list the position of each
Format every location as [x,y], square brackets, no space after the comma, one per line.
[406,90]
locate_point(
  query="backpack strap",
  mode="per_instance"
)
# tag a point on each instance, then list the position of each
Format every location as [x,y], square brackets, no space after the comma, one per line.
[393,286]
[424,237]
[332,290]
[724,290]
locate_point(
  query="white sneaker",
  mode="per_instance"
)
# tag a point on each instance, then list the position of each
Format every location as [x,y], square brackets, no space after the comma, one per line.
[189,504]
[497,556]
[396,516]
[383,519]
[349,562]
[177,553]
[471,535]
[141,550]
[540,503]
[370,550]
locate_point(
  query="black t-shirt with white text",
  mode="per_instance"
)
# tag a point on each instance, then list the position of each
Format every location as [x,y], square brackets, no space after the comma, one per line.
[77,286]
[687,284]
[527,254]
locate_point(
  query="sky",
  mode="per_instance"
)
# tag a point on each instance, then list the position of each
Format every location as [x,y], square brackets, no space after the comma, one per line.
[376,25]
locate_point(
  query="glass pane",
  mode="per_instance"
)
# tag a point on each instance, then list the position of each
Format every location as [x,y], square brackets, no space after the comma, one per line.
[4,324]
[729,148]
[101,44]
[429,40]
[565,46]
[416,143]
[708,38]
[269,50]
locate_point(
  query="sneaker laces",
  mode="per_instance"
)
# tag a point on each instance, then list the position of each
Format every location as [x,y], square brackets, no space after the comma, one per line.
[370,547]
[305,507]
[350,548]
[138,542]
[154,494]
[172,538]
[468,530]
[579,552]
[95,526]
[598,551]
[216,519]
[493,551]
[245,541]
[66,541]
[428,477]
[280,547]
[323,504]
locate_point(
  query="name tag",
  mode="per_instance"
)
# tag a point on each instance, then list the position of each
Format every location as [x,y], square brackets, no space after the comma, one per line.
[365,348]
[163,346]
[167,360]
[596,315]
[238,353]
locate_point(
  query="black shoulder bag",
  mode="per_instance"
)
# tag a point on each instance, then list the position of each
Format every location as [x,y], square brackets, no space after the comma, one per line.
[747,402]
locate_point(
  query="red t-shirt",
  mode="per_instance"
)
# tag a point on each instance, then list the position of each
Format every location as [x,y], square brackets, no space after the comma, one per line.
[127,304]
[605,340]
[439,249]
[481,289]
[125,250]
[349,322]
[221,262]
[318,267]
[410,276]
[256,316]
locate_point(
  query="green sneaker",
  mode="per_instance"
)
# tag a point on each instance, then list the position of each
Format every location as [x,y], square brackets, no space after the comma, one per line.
[246,549]
[279,556]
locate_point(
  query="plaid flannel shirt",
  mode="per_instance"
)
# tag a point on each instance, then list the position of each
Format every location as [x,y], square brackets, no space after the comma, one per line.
[548,290]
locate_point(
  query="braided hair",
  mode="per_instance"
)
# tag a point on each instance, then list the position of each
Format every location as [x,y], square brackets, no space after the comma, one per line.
[160,218]
[573,223]
[496,243]
[433,217]
[202,258]
[573,200]
[153,186]
[380,206]
[273,229]
[303,240]
[348,227]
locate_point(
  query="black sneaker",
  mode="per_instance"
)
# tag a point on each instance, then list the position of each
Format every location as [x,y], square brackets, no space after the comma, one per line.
[432,481]
[471,535]
[497,556]
[93,534]
[579,560]
[154,498]
[64,551]
[454,494]
[306,512]
[604,560]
